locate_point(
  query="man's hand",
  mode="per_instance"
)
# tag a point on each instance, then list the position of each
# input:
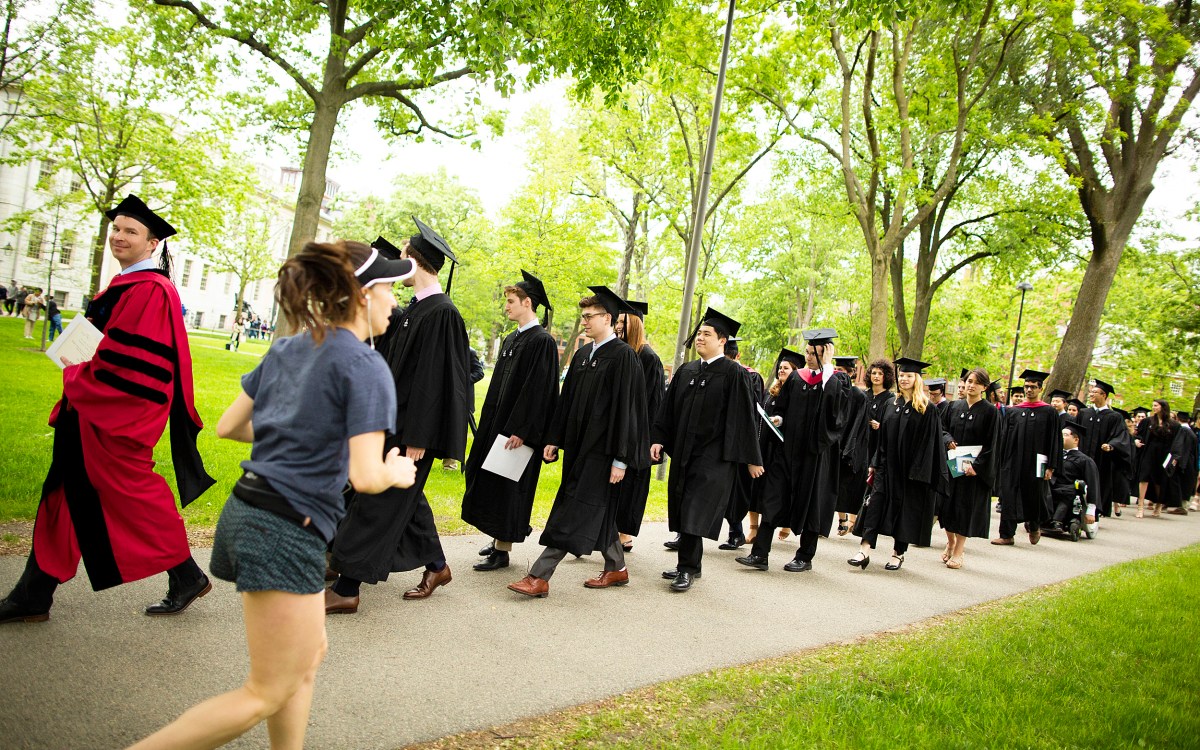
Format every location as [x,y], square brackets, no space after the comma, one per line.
[951,445]
[416,454]
[755,471]
[616,475]
[66,362]
[1139,443]
[1049,474]
[777,421]
[874,424]
[968,470]
[656,452]
[403,470]
[550,453]
[513,443]
[1106,447]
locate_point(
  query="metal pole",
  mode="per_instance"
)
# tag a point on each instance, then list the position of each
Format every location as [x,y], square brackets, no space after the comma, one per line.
[693,261]
[1012,368]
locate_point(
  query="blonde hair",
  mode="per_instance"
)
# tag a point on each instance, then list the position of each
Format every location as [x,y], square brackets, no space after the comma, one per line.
[920,400]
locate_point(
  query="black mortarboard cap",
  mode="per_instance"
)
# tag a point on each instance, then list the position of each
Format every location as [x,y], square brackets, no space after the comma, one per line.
[386,249]
[133,207]
[1064,395]
[847,361]
[640,309]
[434,249]
[1077,403]
[796,358]
[994,386]
[724,325]
[610,301]
[1036,376]
[1139,410]
[819,336]
[1124,414]
[963,373]
[907,364]
[1183,416]
[936,384]
[1075,427]
[1104,386]
[1018,389]
[536,291]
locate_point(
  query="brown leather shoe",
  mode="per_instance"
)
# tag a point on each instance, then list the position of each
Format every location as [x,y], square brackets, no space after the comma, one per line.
[429,582]
[336,604]
[1004,541]
[330,575]
[608,578]
[1035,536]
[530,586]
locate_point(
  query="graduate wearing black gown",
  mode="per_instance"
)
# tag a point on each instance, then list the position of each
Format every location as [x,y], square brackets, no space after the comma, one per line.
[739,494]
[802,480]
[1160,454]
[1075,466]
[967,511]
[600,424]
[1032,431]
[853,450]
[1105,427]
[427,350]
[635,488]
[706,424]
[768,441]
[519,404]
[909,473]
[1185,449]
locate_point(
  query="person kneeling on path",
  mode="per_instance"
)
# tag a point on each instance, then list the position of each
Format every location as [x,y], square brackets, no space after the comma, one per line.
[316,410]
[600,421]
[706,424]
[802,480]
[101,499]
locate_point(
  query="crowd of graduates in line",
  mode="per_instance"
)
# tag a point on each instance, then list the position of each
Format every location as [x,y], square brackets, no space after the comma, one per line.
[347,418]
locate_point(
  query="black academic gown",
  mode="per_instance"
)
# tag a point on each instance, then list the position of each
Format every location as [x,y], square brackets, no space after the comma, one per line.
[706,424]
[967,510]
[1107,427]
[1075,465]
[909,465]
[1185,449]
[802,480]
[739,493]
[635,487]
[600,417]
[768,444]
[426,348]
[1157,445]
[854,452]
[520,402]
[1024,495]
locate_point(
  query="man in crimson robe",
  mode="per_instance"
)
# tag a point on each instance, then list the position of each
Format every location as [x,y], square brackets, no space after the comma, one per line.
[101,499]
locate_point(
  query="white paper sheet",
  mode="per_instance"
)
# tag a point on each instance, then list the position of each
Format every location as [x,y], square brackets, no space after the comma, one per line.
[77,342]
[763,413]
[509,464]
[1039,468]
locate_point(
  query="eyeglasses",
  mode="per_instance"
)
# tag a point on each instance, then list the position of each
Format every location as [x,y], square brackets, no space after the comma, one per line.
[588,316]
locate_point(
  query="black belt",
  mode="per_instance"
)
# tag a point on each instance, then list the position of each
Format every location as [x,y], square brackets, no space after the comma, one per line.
[254,490]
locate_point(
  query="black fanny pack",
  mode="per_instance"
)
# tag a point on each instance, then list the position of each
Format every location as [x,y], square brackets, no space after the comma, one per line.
[254,490]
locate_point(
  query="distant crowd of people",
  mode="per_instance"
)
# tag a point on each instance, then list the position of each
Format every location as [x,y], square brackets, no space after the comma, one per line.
[21,301]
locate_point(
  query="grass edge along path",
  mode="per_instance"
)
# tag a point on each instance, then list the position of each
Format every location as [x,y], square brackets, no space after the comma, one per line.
[1108,659]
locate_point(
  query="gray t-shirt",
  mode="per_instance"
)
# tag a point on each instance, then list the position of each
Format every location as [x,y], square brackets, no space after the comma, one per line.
[309,401]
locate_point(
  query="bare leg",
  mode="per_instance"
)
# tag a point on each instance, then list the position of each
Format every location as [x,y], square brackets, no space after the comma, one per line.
[949,551]
[753,528]
[285,634]
[1142,487]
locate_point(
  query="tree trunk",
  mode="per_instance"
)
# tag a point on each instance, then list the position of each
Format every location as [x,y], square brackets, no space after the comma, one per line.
[631,235]
[1075,352]
[879,297]
[312,180]
[101,243]
[899,314]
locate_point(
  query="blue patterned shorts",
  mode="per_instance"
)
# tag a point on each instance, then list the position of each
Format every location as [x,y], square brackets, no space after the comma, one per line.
[262,551]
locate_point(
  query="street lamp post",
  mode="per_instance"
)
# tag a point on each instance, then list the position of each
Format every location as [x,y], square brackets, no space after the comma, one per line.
[1024,286]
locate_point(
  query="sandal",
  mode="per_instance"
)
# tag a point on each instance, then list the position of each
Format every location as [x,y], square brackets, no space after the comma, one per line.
[953,563]
[843,529]
[946,554]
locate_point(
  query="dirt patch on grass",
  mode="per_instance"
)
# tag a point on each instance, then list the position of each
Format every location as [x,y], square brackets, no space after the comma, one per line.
[16,537]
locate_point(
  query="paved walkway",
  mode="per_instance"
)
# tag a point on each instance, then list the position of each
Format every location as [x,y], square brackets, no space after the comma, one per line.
[100,674]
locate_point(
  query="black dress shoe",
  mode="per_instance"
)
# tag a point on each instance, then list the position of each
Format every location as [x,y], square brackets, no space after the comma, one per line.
[753,561]
[488,550]
[860,563]
[672,574]
[798,566]
[495,561]
[735,542]
[11,611]
[673,543]
[179,600]
[889,566]
[682,582]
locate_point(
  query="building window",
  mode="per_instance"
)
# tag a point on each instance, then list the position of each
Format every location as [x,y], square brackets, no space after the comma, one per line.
[76,183]
[228,284]
[66,247]
[46,173]
[203,281]
[187,273]
[221,322]
[37,238]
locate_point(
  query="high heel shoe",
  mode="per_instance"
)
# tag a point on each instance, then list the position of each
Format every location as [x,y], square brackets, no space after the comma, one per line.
[843,529]
[889,566]
[954,563]
[946,554]
[860,562]
[627,546]
[753,533]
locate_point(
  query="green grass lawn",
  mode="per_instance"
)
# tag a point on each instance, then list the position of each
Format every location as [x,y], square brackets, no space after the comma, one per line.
[1109,660]
[34,383]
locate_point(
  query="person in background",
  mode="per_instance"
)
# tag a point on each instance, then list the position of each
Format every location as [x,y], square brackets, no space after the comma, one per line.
[32,311]
[787,363]
[635,488]
[1076,466]
[1030,455]
[966,512]
[1106,441]
[739,493]
[54,315]
[5,302]
[852,449]
[1058,401]
[1160,460]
